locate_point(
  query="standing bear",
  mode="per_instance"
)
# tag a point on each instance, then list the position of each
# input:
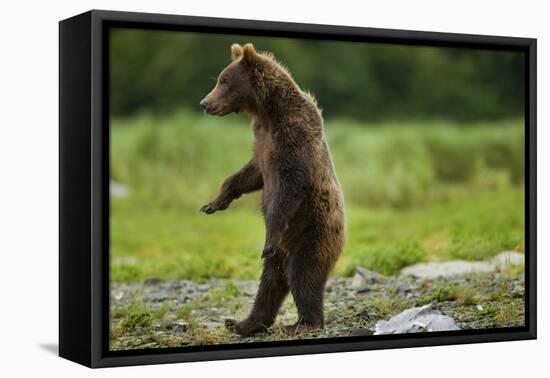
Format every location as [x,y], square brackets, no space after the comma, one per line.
[302,202]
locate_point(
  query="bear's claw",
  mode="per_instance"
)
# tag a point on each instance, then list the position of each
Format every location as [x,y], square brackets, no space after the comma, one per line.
[208,209]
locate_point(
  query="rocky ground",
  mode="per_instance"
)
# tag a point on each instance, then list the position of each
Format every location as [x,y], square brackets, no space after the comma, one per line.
[158,313]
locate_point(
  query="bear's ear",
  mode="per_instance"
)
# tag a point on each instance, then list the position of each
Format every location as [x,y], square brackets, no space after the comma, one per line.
[236,51]
[249,53]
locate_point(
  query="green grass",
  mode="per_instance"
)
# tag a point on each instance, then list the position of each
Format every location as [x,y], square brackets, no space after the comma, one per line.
[414,192]
[184,312]
[442,293]
[161,312]
[136,315]
[488,310]
[170,244]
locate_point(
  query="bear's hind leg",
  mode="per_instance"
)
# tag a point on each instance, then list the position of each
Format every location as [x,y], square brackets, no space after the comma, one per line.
[307,277]
[272,291]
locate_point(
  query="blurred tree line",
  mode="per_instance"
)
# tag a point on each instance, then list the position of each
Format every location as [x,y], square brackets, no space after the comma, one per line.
[161,72]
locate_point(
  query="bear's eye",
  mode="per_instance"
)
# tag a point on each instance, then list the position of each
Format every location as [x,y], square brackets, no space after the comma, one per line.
[223,79]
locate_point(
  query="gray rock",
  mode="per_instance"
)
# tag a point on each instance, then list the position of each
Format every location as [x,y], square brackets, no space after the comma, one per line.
[179,326]
[364,279]
[167,324]
[158,296]
[406,286]
[417,319]
[363,289]
[518,291]
[453,268]
[203,287]
[447,269]
[176,284]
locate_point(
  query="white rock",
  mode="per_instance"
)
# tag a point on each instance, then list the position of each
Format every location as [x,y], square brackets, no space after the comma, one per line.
[417,319]
[447,269]
[504,259]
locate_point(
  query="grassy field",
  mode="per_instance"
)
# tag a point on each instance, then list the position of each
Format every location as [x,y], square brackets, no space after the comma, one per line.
[414,192]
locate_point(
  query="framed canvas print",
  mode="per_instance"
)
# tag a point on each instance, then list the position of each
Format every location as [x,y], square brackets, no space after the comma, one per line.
[235,188]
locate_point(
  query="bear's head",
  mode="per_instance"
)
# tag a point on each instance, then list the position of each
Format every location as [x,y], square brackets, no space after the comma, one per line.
[239,85]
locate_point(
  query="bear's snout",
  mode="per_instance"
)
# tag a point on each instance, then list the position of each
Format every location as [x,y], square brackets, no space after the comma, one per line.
[203,104]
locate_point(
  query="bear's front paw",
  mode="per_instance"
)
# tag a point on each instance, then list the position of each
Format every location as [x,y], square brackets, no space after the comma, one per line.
[216,205]
[208,209]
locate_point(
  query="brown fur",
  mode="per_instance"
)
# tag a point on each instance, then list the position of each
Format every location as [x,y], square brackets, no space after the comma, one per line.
[302,202]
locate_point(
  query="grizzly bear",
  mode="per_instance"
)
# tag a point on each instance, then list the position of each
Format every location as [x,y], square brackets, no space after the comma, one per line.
[302,202]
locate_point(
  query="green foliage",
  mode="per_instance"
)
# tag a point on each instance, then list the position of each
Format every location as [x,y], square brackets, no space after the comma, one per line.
[488,310]
[124,272]
[514,270]
[476,235]
[467,296]
[136,315]
[383,307]
[442,293]
[161,311]
[460,155]
[223,297]
[446,292]
[184,312]
[161,71]
[231,289]
[509,313]
[390,259]
[165,159]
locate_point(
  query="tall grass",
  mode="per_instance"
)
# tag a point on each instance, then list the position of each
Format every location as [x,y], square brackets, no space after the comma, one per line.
[167,162]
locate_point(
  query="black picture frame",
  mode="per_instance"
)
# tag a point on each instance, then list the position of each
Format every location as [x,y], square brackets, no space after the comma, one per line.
[84,187]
